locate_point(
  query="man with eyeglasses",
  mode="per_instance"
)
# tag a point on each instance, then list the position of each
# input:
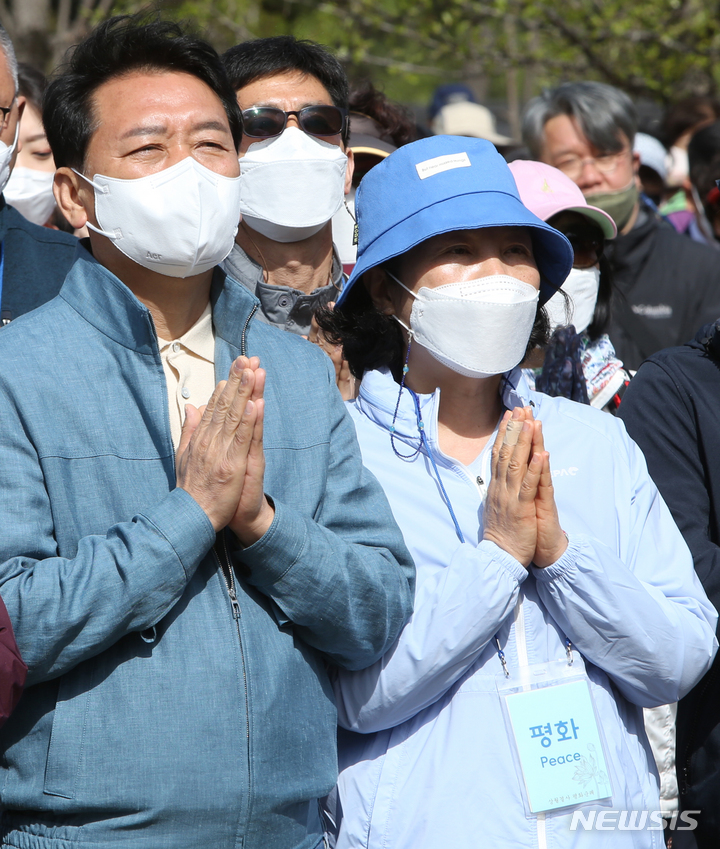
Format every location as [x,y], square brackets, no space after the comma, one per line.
[295,170]
[668,285]
[33,260]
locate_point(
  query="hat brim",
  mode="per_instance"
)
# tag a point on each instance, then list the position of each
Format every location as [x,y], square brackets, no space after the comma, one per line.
[473,211]
[602,219]
[362,143]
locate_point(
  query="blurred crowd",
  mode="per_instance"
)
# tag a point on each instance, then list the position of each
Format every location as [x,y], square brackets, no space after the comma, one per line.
[351,466]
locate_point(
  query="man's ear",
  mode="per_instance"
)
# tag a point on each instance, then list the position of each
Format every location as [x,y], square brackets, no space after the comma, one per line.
[378,285]
[71,196]
[350,169]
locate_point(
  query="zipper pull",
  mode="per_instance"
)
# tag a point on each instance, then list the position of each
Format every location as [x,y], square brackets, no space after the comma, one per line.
[235,603]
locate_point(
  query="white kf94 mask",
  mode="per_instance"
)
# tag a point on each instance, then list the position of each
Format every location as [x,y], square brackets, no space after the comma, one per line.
[582,287]
[178,222]
[291,185]
[475,327]
[31,193]
[6,154]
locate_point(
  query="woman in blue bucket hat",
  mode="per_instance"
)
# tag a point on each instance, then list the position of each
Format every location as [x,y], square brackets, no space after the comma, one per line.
[555,596]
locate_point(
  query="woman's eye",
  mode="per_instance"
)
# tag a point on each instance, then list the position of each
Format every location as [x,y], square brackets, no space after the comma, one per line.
[520,250]
[42,154]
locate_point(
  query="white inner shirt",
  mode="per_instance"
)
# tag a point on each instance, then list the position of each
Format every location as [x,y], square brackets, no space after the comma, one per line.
[189,365]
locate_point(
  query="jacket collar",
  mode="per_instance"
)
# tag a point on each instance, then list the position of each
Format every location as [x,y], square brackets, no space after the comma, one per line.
[108,305]
[378,398]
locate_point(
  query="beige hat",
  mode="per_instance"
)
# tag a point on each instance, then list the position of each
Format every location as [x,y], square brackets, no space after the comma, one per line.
[468,119]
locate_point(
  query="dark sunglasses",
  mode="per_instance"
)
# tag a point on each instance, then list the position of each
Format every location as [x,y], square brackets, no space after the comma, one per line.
[587,245]
[264,122]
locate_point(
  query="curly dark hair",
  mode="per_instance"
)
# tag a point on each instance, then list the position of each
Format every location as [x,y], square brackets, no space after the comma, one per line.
[396,121]
[372,340]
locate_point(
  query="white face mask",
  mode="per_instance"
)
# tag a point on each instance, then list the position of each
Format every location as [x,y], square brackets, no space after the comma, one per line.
[178,222]
[477,327]
[582,287]
[291,185]
[6,155]
[31,192]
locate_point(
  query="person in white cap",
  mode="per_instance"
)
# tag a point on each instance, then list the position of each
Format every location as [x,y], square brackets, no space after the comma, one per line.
[464,118]
[653,168]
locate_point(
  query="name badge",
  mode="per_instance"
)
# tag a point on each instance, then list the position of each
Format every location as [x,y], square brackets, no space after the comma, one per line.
[551,717]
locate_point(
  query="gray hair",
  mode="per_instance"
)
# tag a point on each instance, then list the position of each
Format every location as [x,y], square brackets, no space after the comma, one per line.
[7,48]
[602,112]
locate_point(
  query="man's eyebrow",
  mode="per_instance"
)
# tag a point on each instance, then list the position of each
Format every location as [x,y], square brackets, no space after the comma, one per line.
[211,125]
[150,130]
[161,129]
[261,103]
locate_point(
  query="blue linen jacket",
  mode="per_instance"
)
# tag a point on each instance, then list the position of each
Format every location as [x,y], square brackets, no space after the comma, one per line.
[159,714]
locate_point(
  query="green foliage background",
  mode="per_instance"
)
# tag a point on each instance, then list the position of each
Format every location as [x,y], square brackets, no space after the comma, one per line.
[656,49]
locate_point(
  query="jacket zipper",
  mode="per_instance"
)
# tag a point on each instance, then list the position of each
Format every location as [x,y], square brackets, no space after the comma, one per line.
[229,577]
[247,323]
[223,558]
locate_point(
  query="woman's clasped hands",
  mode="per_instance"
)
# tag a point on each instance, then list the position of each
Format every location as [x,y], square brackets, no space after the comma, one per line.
[520,514]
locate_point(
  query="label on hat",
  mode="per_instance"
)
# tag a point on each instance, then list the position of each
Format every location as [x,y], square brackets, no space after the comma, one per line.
[442,163]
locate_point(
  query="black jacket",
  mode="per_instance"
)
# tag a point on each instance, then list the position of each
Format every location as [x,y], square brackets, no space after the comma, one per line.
[666,287]
[35,262]
[672,410]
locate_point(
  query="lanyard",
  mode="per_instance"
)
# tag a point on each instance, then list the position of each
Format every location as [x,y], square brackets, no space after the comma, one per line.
[424,444]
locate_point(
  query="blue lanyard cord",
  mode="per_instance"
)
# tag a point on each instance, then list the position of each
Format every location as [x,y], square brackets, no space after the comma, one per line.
[424,442]
[405,370]
[407,457]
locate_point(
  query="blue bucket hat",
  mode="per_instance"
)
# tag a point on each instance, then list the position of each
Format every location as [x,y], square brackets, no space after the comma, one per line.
[440,184]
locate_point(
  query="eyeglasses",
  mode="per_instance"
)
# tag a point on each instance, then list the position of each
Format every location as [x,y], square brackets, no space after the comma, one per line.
[6,110]
[587,244]
[606,163]
[264,122]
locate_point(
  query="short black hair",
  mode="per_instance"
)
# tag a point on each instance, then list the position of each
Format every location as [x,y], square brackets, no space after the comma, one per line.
[32,84]
[281,54]
[119,46]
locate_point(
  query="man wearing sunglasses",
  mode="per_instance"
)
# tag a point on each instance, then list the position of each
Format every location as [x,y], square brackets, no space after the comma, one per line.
[33,260]
[295,171]
[668,285]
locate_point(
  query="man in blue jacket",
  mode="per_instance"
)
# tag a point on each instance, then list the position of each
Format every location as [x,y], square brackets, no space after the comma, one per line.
[178,578]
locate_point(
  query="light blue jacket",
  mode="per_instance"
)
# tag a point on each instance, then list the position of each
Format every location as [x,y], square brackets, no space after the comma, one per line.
[157,713]
[432,764]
